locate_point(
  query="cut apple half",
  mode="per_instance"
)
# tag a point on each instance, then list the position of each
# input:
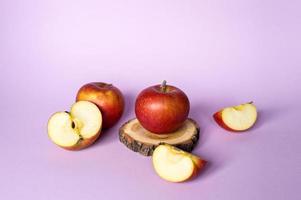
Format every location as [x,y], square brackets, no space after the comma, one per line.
[76,129]
[237,118]
[175,165]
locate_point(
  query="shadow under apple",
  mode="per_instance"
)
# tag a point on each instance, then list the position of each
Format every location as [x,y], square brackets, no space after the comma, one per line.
[111,134]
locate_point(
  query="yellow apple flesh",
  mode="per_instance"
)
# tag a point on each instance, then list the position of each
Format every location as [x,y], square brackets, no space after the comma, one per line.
[237,118]
[77,129]
[175,165]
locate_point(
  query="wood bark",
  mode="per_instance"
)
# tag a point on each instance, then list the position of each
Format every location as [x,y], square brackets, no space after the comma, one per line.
[138,139]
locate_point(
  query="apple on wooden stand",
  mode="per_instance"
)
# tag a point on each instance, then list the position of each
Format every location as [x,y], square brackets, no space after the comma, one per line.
[237,118]
[107,97]
[162,109]
[76,129]
[175,165]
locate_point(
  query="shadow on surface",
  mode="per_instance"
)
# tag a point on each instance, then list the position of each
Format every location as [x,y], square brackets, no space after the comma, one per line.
[201,114]
[111,134]
[265,116]
[129,111]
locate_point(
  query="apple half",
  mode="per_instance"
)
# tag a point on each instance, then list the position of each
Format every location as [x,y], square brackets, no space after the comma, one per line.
[175,165]
[237,118]
[76,129]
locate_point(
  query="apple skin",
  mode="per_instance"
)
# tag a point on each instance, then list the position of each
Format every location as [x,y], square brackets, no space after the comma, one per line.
[218,118]
[199,165]
[160,111]
[107,97]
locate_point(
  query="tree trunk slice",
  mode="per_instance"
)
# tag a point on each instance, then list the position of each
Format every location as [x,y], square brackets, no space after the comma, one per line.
[138,139]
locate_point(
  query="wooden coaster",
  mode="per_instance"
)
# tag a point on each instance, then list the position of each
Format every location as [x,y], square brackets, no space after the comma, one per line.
[138,139]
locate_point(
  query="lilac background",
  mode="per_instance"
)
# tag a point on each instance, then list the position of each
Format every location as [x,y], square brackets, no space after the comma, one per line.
[220,53]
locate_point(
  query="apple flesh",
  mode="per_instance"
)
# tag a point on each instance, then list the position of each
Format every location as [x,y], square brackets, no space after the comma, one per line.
[162,109]
[107,97]
[237,118]
[77,129]
[175,165]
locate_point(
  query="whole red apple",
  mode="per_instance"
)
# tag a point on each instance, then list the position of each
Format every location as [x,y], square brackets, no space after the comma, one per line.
[107,97]
[162,108]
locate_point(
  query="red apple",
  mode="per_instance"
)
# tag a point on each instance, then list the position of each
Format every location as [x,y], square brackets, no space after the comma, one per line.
[162,108]
[107,97]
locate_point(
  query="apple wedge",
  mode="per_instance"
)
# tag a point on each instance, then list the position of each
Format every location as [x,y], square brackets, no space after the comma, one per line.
[77,129]
[237,118]
[175,165]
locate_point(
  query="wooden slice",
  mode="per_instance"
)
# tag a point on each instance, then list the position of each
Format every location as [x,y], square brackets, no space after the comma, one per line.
[138,139]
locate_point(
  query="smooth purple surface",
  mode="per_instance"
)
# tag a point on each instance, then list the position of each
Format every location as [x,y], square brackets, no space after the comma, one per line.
[220,53]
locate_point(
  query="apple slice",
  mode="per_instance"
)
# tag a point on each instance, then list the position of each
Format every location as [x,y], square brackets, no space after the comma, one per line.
[77,129]
[237,118]
[175,165]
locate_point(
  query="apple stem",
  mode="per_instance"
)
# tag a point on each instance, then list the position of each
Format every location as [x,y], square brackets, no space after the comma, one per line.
[163,86]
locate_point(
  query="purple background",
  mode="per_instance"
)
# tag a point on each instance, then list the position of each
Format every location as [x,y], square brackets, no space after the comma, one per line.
[220,53]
